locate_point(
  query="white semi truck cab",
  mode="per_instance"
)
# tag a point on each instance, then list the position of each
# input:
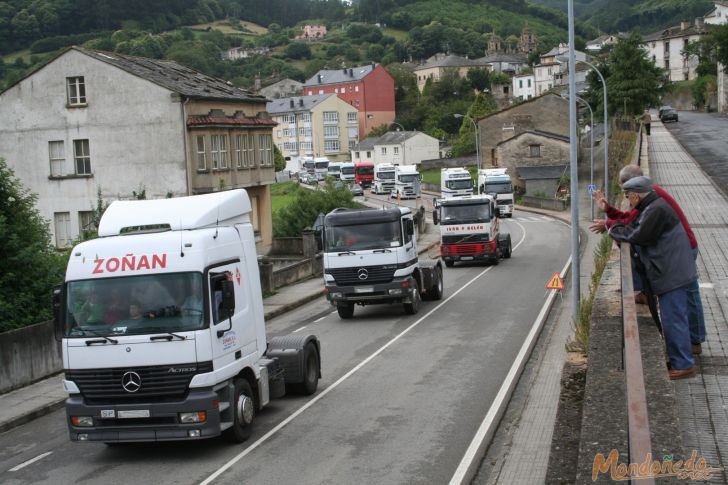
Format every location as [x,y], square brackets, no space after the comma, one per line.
[497,182]
[334,170]
[470,230]
[347,172]
[370,257]
[383,178]
[407,181]
[455,182]
[162,329]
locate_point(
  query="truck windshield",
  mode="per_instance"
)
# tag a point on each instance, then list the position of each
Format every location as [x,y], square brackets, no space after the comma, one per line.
[466,213]
[363,236]
[347,170]
[309,166]
[334,169]
[365,170]
[385,175]
[408,179]
[459,184]
[320,165]
[134,305]
[498,188]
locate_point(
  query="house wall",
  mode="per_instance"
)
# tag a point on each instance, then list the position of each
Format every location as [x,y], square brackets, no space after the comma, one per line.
[521,88]
[347,131]
[517,153]
[548,113]
[679,65]
[411,152]
[132,125]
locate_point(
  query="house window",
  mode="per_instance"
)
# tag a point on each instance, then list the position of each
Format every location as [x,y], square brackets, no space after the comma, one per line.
[57,158]
[331,145]
[200,154]
[331,117]
[266,150]
[667,63]
[86,225]
[529,83]
[369,155]
[306,117]
[534,150]
[352,144]
[356,89]
[238,150]
[331,131]
[520,84]
[76,91]
[62,225]
[351,117]
[218,150]
[395,150]
[384,150]
[82,157]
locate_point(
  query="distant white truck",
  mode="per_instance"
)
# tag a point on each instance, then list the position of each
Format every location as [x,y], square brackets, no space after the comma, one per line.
[497,182]
[161,319]
[383,178]
[334,170]
[407,181]
[455,182]
[347,172]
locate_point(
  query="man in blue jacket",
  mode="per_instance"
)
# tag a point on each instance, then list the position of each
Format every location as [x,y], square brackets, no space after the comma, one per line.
[664,250]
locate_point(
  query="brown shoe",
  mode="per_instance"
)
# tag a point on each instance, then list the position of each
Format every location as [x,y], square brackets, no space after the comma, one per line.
[640,298]
[697,349]
[681,374]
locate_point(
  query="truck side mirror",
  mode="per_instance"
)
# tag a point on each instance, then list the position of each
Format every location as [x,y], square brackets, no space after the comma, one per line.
[434,217]
[56,308]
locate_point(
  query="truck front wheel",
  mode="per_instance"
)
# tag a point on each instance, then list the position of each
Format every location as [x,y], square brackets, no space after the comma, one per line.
[243,412]
[346,310]
[414,307]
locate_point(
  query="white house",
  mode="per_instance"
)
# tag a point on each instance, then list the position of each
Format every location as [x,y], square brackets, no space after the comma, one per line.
[666,48]
[553,69]
[398,148]
[524,86]
[600,42]
[91,120]
[719,14]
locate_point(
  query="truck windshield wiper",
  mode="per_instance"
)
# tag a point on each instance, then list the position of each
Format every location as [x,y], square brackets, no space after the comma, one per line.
[384,250]
[346,252]
[168,336]
[103,338]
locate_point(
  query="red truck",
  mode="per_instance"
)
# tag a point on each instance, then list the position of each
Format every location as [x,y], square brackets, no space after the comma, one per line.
[364,174]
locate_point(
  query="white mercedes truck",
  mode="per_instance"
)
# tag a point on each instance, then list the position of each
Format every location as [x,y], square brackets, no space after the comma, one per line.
[470,230]
[455,182]
[407,181]
[347,172]
[162,330]
[497,182]
[383,178]
[370,257]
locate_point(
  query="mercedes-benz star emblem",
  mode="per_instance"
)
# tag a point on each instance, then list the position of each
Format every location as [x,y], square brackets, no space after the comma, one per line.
[362,274]
[131,382]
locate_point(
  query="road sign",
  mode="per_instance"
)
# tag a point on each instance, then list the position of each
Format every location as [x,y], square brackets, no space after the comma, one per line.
[555,282]
[591,188]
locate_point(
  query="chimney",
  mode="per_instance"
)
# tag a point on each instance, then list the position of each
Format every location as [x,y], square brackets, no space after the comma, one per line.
[351,72]
[319,78]
[684,25]
[344,70]
[257,82]
[699,23]
[293,103]
[373,65]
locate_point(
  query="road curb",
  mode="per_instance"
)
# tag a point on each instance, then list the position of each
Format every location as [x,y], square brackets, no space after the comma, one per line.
[31,415]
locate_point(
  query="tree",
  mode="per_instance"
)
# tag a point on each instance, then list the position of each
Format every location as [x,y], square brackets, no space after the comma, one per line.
[278,160]
[634,81]
[298,50]
[291,220]
[29,267]
[482,106]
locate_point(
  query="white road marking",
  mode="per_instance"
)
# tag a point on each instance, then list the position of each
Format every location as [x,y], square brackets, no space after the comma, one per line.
[318,320]
[335,311]
[706,285]
[299,329]
[353,371]
[29,462]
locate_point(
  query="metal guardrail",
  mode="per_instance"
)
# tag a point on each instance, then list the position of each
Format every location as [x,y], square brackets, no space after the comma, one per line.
[638,424]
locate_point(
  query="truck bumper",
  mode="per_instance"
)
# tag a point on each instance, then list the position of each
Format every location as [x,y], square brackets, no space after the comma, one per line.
[506,210]
[399,290]
[469,252]
[153,421]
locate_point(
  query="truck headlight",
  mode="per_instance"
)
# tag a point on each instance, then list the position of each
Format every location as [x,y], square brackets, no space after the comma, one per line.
[196,417]
[336,295]
[82,421]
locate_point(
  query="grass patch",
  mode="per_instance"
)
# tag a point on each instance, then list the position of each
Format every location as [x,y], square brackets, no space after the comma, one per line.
[232,27]
[282,194]
[580,341]
[400,35]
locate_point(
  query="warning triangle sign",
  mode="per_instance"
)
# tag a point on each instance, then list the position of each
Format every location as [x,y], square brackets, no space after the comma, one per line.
[555,283]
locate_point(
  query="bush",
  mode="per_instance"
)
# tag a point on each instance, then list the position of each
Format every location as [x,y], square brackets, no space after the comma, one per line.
[290,221]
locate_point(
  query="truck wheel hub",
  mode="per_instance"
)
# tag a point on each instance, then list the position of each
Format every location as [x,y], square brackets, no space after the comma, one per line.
[244,409]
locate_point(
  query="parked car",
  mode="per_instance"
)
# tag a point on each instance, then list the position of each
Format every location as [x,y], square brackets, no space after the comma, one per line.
[663,109]
[669,115]
[308,179]
[356,189]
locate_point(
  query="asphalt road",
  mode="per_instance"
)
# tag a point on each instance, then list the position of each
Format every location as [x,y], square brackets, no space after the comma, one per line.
[705,137]
[400,399]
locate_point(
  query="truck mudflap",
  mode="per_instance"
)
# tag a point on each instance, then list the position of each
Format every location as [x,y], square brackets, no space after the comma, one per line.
[292,352]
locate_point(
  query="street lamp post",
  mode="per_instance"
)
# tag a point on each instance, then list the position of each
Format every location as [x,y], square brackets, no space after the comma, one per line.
[591,151]
[574,187]
[477,146]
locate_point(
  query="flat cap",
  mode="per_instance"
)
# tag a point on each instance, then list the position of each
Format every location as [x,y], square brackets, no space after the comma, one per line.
[639,185]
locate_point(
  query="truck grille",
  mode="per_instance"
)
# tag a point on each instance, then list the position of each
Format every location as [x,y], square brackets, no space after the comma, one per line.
[375,274]
[156,383]
[461,239]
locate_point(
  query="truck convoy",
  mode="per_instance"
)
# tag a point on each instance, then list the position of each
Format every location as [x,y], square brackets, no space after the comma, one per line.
[496,182]
[470,230]
[370,257]
[455,182]
[347,172]
[364,174]
[383,178]
[162,328]
[407,182]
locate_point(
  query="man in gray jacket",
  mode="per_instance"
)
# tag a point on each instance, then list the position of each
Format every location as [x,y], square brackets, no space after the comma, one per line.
[664,250]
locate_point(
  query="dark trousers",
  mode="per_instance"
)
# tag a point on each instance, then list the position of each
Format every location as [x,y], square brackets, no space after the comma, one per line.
[647,128]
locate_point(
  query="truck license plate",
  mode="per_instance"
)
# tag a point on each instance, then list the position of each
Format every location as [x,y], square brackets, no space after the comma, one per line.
[108,413]
[134,413]
[364,289]
[466,258]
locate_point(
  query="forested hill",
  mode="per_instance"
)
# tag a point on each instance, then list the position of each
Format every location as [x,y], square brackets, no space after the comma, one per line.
[625,15]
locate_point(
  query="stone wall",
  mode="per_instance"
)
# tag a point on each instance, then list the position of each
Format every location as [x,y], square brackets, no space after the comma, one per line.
[551,204]
[27,355]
